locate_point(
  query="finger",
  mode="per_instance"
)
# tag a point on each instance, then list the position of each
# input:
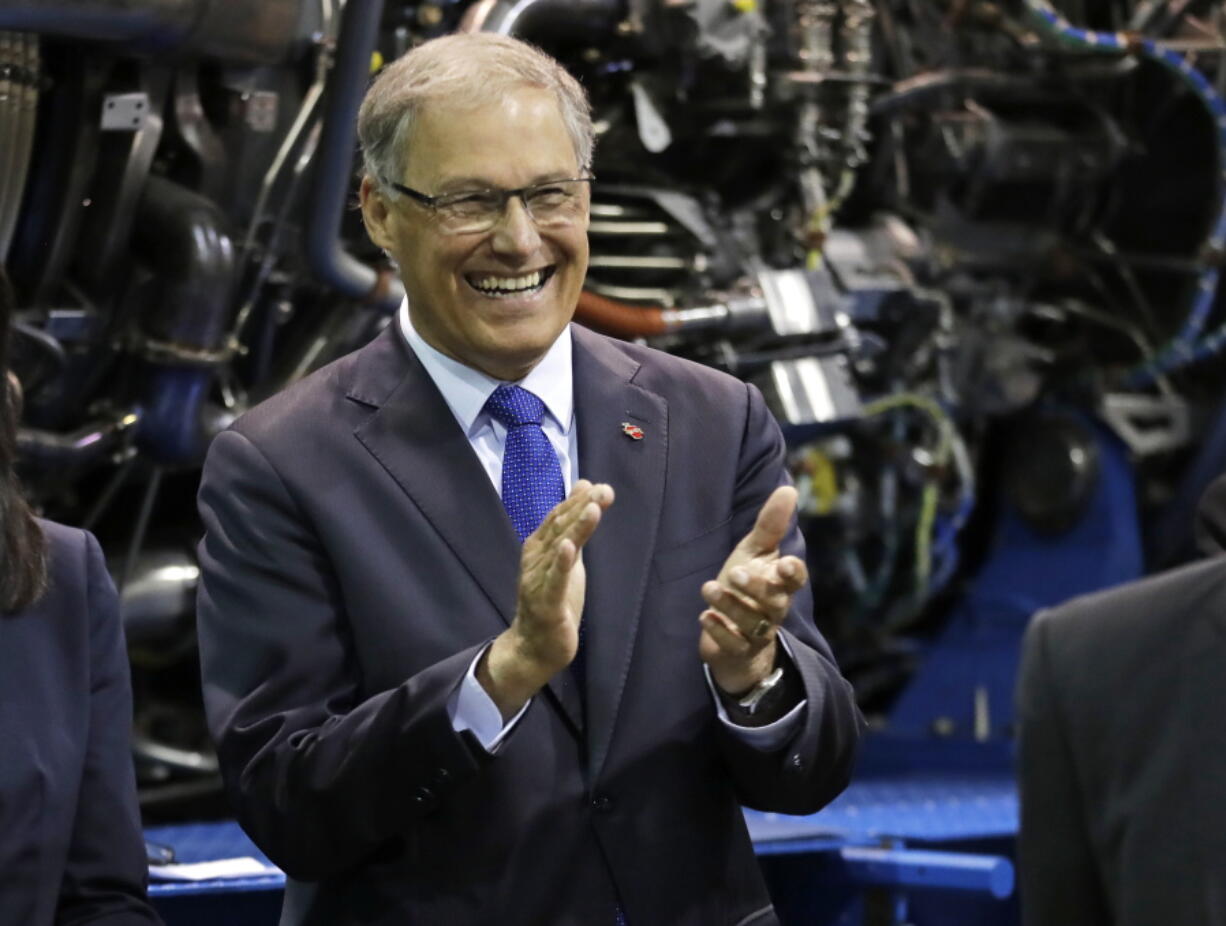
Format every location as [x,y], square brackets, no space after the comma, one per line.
[772,524]
[580,530]
[573,527]
[747,616]
[726,637]
[549,528]
[562,511]
[581,524]
[563,515]
[599,494]
[762,584]
[792,573]
[555,577]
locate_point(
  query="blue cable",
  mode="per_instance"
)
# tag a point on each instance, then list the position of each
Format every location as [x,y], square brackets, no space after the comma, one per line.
[1187,347]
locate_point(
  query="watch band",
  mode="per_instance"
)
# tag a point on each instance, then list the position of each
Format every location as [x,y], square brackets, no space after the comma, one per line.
[751,699]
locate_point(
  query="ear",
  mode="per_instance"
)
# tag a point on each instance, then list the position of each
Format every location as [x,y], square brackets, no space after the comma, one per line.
[376,215]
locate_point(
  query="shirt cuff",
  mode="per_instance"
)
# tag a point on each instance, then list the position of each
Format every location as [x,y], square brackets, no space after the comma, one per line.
[769,737]
[471,708]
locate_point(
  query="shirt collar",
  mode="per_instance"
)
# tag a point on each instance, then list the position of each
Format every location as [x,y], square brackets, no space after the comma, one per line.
[466,390]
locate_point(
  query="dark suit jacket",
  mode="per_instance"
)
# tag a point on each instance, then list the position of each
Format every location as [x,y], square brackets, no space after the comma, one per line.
[70,841]
[1122,705]
[357,557]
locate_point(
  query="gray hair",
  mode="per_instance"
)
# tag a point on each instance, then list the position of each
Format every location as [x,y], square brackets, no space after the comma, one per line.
[462,70]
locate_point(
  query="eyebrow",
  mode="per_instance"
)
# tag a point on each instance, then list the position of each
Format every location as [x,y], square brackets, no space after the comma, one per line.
[480,183]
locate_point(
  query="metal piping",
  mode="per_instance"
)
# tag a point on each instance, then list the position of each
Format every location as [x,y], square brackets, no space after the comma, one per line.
[357,35]
[25,135]
[626,320]
[158,595]
[9,56]
[619,318]
[86,445]
[305,116]
[580,20]
[257,31]
[185,237]
[19,75]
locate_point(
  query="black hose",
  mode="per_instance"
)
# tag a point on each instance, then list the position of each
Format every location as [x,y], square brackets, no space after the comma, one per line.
[186,238]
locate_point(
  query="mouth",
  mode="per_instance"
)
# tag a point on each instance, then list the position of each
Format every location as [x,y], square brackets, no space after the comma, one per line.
[510,287]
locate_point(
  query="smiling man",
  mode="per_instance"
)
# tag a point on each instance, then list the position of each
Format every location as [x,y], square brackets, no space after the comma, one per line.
[500,620]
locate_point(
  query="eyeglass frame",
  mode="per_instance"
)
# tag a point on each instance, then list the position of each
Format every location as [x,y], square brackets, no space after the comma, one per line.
[433,202]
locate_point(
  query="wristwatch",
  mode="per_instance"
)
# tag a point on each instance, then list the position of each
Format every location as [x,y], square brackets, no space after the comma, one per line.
[749,701]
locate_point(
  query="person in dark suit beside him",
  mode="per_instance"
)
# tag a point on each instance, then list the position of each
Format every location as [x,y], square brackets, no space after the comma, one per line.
[1122,755]
[71,851]
[459,657]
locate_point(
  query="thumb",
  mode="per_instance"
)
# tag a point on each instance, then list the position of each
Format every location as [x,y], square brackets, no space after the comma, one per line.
[773,522]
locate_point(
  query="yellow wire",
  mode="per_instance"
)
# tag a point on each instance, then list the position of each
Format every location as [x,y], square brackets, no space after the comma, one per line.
[931,493]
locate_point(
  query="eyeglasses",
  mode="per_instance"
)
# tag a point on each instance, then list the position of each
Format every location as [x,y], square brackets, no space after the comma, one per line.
[552,204]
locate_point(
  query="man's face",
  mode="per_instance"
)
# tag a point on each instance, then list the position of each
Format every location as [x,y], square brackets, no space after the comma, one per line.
[515,142]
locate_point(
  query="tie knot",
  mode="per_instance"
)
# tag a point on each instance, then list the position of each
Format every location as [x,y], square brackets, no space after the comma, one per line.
[514,405]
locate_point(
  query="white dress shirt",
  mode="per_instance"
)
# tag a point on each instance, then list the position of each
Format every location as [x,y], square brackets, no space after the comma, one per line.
[466,391]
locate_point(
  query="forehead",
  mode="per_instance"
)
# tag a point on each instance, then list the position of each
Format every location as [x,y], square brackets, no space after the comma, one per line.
[517,139]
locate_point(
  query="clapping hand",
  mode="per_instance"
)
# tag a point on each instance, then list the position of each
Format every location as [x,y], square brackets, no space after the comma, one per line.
[544,636]
[750,598]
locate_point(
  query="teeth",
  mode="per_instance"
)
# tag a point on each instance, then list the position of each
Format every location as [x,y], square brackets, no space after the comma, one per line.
[509,284]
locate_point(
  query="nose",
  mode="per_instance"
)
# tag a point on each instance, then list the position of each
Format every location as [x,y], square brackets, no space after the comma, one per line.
[516,235]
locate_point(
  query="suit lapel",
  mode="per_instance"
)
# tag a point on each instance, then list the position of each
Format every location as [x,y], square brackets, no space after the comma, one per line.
[415,437]
[618,557]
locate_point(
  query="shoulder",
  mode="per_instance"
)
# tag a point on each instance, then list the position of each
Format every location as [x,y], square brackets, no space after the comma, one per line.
[72,554]
[331,395]
[57,628]
[1137,622]
[706,408]
[655,365]
[675,378]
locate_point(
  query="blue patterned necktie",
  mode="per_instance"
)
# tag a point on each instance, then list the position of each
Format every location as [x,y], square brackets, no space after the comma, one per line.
[531,483]
[531,477]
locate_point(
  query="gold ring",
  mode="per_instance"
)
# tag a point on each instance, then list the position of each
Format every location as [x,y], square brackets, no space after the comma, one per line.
[761,628]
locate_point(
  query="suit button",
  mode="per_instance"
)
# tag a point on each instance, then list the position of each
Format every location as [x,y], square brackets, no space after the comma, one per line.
[797,762]
[441,776]
[602,803]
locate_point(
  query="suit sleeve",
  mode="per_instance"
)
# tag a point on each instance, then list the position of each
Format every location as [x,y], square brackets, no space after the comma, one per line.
[813,766]
[106,873]
[321,778]
[1060,881]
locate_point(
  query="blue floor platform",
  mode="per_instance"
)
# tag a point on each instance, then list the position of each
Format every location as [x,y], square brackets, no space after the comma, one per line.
[904,837]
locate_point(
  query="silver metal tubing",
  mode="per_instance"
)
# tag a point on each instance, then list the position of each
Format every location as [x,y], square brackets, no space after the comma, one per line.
[634,262]
[583,20]
[610,228]
[85,445]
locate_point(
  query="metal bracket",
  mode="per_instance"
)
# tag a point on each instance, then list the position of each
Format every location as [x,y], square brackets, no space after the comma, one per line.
[124,112]
[1148,424]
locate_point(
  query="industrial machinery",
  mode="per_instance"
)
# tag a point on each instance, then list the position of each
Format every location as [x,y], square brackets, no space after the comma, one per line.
[969,249]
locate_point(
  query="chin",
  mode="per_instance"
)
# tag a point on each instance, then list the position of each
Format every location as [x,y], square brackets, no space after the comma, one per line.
[516,351]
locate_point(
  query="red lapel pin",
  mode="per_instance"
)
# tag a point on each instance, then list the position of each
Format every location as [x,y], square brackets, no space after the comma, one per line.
[632,431]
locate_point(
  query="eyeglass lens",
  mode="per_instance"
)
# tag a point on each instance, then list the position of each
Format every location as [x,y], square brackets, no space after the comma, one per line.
[553,204]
